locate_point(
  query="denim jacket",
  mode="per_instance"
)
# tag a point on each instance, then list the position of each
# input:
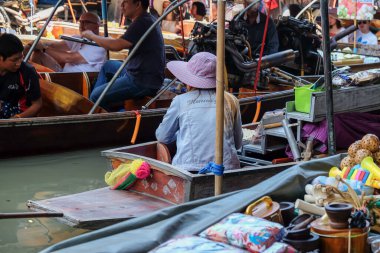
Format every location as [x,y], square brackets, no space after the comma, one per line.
[190,121]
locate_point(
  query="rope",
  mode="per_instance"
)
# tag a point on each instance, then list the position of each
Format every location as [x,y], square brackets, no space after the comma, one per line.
[137,127]
[258,109]
[214,168]
[262,46]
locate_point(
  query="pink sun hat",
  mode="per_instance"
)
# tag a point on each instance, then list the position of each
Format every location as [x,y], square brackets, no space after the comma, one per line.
[198,72]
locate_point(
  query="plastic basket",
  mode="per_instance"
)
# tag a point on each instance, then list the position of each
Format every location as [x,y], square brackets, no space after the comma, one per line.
[303,97]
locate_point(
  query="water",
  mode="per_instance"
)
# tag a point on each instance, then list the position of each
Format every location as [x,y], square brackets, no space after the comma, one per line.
[41,177]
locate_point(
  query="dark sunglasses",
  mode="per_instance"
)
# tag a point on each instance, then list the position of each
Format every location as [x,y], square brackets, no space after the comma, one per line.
[362,22]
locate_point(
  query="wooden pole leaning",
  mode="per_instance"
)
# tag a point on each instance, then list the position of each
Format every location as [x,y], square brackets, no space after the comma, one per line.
[72,11]
[26,58]
[220,49]
[105,22]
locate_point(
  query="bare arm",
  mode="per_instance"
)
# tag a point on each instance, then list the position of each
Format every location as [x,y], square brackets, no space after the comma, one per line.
[58,45]
[65,56]
[32,110]
[107,42]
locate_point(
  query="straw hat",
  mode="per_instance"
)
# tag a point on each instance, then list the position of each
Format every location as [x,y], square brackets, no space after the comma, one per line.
[199,72]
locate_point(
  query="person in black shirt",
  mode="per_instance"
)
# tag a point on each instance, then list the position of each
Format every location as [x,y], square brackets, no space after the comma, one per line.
[19,85]
[256,24]
[144,73]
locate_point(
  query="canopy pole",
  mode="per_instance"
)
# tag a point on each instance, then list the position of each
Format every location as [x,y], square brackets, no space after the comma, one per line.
[83,6]
[131,54]
[220,93]
[328,79]
[105,23]
[72,11]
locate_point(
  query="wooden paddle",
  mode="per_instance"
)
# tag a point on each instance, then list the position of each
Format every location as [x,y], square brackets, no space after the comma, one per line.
[29,215]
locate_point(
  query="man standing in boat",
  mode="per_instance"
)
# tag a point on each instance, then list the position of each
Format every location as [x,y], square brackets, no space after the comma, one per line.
[256,27]
[144,73]
[73,56]
[20,95]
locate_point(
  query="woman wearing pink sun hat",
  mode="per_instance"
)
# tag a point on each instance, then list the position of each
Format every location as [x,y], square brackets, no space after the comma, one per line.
[191,118]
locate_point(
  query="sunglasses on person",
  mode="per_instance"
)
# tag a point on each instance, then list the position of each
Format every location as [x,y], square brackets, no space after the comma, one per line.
[362,22]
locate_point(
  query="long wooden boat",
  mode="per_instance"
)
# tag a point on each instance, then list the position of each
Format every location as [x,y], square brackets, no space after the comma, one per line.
[67,28]
[121,55]
[168,185]
[191,219]
[65,125]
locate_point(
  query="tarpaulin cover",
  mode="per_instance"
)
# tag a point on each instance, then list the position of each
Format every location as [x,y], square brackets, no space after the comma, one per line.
[145,233]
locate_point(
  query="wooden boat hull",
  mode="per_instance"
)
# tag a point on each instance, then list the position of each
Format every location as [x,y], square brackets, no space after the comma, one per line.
[167,185]
[26,136]
[188,186]
[69,29]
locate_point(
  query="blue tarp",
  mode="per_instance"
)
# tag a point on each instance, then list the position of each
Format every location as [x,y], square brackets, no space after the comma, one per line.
[145,233]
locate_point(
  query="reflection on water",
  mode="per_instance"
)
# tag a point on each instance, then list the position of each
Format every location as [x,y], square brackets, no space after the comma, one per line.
[41,177]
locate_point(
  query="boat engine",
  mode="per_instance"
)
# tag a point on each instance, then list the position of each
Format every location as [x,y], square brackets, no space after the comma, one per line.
[241,65]
[301,35]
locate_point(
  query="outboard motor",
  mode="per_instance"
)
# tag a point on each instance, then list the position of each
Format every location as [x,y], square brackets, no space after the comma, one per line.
[300,35]
[241,65]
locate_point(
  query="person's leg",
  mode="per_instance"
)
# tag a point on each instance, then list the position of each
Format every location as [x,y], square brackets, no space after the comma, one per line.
[124,88]
[107,71]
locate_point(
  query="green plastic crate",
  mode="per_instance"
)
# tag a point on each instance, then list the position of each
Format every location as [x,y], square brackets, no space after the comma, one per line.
[302,96]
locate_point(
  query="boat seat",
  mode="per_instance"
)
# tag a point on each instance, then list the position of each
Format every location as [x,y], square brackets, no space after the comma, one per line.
[163,153]
[76,81]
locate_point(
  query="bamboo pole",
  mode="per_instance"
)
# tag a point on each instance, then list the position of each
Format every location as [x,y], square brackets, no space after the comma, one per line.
[83,6]
[328,77]
[72,11]
[219,93]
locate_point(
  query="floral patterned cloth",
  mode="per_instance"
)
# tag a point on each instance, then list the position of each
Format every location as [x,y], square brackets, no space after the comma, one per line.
[245,231]
[195,244]
[280,247]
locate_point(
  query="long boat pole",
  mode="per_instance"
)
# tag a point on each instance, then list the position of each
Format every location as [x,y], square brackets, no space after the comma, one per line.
[29,215]
[132,53]
[220,93]
[105,23]
[42,31]
[328,79]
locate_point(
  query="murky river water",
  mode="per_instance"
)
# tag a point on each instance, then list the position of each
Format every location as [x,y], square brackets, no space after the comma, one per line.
[41,177]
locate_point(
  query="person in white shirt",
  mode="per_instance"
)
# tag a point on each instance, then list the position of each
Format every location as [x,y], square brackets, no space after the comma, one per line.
[364,35]
[68,56]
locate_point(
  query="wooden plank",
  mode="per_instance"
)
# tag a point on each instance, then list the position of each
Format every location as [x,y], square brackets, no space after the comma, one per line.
[99,208]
